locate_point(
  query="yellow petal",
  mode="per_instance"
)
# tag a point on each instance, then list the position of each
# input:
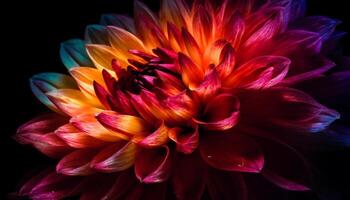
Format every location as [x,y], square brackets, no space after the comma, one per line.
[102,56]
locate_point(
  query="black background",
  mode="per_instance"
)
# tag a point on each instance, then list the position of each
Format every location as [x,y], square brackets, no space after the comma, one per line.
[33,33]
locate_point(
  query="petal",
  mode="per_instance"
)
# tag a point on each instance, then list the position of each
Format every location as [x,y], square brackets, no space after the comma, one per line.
[227,61]
[193,49]
[233,30]
[175,12]
[46,82]
[89,124]
[291,172]
[221,116]
[76,163]
[260,72]
[96,34]
[267,23]
[202,22]
[156,171]
[71,102]
[186,139]
[85,76]
[124,41]
[125,124]
[48,144]
[226,185]
[188,180]
[324,26]
[56,186]
[77,138]
[286,108]
[157,138]
[210,85]
[116,157]
[232,152]
[147,26]
[43,124]
[102,56]
[73,54]
[192,74]
[120,21]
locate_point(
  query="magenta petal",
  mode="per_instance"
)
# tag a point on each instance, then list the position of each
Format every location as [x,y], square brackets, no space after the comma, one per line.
[226,185]
[210,85]
[156,171]
[76,163]
[186,140]
[116,157]
[56,186]
[220,116]
[157,138]
[188,180]
[285,167]
[232,152]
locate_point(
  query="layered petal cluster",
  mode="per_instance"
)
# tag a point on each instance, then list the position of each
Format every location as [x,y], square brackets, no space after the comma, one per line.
[175,103]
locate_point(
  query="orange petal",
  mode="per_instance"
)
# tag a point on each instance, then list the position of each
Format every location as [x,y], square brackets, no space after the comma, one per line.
[125,124]
[89,124]
[71,102]
[76,138]
[102,56]
[192,74]
[85,76]
[124,41]
[203,26]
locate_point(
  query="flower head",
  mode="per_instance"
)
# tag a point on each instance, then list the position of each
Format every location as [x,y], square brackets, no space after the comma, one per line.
[184,101]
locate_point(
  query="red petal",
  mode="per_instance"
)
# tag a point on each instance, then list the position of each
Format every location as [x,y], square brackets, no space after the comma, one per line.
[232,152]
[226,185]
[188,179]
[193,49]
[157,138]
[156,171]
[221,116]
[186,141]
[285,167]
[192,74]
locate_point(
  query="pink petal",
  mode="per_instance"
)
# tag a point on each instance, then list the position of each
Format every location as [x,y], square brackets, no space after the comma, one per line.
[232,152]
[210,85]
[227,61]
[76,163]
[116,157]
[157,138]
[92,127]
[186,140]
[156,171]
[77,138]
[260,72]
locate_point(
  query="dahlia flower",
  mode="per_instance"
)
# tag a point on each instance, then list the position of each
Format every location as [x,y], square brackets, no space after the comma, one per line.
[198,98]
